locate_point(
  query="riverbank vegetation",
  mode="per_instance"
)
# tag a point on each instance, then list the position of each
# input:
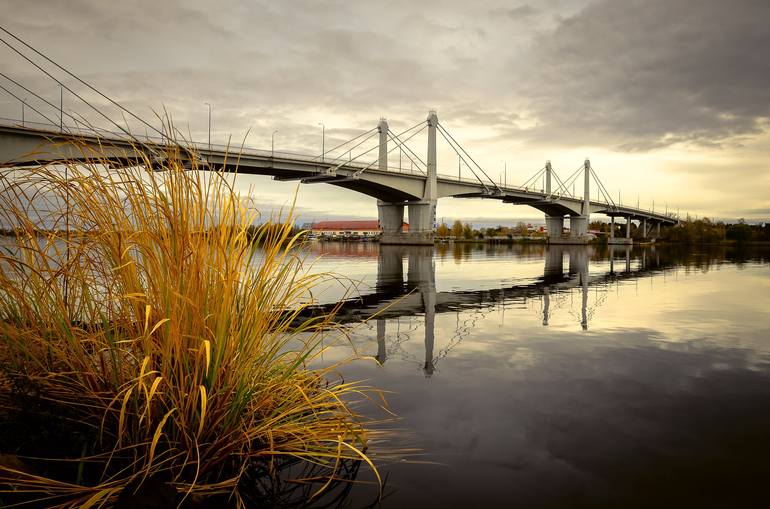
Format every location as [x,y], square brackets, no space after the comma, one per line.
[706,231]
[464,232]
[158,352]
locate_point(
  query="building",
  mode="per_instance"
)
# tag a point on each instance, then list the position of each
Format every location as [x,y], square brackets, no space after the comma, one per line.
[349,229]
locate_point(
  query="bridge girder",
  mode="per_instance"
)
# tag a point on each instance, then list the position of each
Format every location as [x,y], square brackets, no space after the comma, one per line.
[21,146]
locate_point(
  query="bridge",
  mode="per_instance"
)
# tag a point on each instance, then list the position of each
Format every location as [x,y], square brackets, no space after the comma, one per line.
[396,190]
[416,191]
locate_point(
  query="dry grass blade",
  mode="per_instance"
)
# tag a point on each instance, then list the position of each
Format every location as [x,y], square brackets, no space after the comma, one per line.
[155,321]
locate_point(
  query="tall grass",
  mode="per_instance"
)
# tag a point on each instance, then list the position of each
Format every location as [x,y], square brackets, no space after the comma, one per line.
[141,319]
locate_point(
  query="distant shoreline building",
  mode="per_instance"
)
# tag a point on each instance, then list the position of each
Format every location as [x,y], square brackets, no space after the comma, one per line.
[347,229]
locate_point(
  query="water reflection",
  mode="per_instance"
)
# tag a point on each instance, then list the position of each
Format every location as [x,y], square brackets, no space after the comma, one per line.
[540,376]
[394,296]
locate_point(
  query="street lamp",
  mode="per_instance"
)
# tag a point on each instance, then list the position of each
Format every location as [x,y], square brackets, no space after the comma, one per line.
[272,144]
[323,140]
[23,103]
[209,105]
[505,173]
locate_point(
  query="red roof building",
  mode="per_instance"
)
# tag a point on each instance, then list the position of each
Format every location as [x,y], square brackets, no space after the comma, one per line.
[347,228]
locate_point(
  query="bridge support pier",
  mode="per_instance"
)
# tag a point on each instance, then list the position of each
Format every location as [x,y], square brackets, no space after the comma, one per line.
[578,226]
[578,222]
[422,213]
[555,226]
[612,227]
[618,240]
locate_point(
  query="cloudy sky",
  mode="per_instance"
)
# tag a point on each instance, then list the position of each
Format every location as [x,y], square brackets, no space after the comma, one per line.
[670,99]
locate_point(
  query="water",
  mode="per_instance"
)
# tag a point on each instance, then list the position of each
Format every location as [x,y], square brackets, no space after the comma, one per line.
[565,377]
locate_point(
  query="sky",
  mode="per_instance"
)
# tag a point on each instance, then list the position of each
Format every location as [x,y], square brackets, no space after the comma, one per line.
[670,99]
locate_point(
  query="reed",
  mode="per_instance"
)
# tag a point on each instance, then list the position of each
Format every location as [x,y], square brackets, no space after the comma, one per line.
[137,314]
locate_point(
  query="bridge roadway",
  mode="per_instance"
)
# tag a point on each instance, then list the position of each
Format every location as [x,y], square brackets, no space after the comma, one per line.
[31,144]
[417,296]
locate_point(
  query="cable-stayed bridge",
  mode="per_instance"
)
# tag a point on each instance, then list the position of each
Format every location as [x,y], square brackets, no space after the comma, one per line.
[359,164]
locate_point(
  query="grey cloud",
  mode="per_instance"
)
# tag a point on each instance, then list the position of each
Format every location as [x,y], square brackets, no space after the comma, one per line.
[649,73]
[520,12]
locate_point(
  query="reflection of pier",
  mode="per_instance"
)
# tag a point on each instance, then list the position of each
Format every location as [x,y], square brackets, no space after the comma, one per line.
[417,295]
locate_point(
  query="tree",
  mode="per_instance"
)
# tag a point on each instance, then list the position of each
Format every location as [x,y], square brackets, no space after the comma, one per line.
[467,231]
[457,229]
[442,230]
[740,232]
[520,229]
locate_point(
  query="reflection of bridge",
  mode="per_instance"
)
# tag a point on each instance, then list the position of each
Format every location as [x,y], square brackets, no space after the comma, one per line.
[395,297]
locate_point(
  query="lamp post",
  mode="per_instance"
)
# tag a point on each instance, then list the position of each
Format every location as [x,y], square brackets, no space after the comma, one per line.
[209,105]
[23,103]
[272,144]
[505,173]
[323,140]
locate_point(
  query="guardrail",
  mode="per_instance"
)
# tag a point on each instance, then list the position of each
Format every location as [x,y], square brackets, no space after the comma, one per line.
[204,147]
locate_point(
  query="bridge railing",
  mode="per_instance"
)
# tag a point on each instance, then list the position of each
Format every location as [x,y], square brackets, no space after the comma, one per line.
[236,150]
[201,147]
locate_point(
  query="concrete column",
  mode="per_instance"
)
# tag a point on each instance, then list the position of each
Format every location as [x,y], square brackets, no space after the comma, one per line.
[657,230]
[555,227]
[628,227]
[422,214]
[644,228]
[391,217]
[382,127]
[431,184]
[587,189]
[578,226]
[612,227]
[548,171]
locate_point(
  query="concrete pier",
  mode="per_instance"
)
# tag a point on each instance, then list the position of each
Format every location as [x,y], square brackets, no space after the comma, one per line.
[422,213]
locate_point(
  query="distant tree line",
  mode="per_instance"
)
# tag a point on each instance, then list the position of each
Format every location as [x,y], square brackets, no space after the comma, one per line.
[464,231]
[706,231]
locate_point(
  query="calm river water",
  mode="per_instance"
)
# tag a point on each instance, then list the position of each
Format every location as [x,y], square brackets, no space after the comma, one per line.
[564,377]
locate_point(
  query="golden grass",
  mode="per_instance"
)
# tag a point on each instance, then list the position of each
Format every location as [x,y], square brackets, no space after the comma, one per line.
[158,326]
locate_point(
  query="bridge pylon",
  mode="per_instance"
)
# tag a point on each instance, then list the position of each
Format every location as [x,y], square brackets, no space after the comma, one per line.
[422,213]
[578,221]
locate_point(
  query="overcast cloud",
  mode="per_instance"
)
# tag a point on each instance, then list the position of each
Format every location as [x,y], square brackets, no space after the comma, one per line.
[669,98]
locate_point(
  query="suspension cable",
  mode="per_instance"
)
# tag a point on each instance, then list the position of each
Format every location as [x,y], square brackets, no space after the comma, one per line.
[389,151]
[346,142]
[115,103]
[441,128]
[65,87]
[462,159]
[533,177]
[403,144]
[339,158]
[25,102]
